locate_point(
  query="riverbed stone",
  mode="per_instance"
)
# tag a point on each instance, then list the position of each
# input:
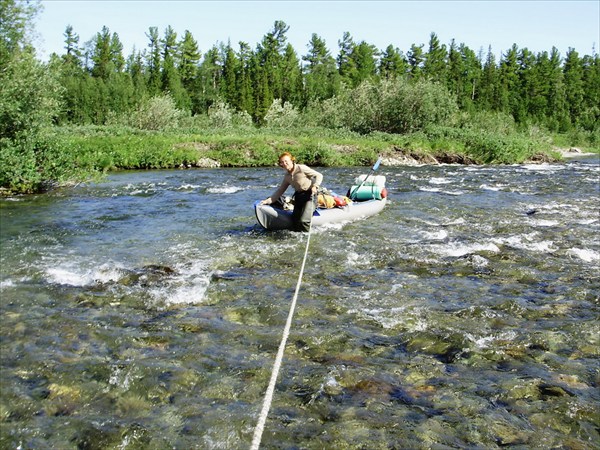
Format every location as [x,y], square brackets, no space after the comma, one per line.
[446,348]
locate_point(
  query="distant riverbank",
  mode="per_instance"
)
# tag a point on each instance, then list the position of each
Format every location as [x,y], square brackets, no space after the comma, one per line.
[67,155]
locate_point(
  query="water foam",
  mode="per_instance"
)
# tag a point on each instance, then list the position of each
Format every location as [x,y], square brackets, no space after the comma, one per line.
[73,275]
[439,181]
[528,242]
[434,235]
[584,254]
[189,286]
[440,191]
[484,342]
[6,283]
[457,250]
[224,189]
[487,187]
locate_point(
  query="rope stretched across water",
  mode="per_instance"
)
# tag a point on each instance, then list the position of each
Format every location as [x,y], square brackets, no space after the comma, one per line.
[260,426]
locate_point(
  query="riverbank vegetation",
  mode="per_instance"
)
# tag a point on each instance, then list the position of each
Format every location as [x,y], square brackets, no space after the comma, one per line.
[92,109]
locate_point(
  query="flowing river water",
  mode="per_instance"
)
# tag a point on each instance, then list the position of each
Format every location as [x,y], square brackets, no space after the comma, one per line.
[146,311]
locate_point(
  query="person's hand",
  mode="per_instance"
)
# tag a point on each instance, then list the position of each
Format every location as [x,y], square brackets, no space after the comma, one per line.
[314,189]
[266,201]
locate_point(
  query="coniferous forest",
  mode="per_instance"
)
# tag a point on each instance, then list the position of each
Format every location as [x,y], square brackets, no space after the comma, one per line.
[94,108]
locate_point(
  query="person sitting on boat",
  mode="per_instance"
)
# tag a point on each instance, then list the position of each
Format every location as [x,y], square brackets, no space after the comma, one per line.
[305,182]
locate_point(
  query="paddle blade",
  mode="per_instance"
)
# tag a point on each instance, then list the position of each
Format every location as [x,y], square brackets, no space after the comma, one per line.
[376,166]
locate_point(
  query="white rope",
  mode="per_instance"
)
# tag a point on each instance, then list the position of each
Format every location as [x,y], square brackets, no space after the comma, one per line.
[260,426]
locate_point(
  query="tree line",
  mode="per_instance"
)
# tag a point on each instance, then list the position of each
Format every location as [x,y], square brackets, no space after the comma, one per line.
[546,88]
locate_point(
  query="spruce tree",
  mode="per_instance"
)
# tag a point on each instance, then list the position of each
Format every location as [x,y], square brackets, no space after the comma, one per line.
[170,78]
[509,94]
[557,114]
[345,63]
[210,78]
[456,71]
[528,85]
[116,53]
[153,62]
[245,97]
[590,119]
[415,61]
[188,60]
[228,86]
[101,54]
[434,64]
[392,63]
[364,60]
[574,88]
[321,75]
[489,87]
[73,53]
[472,75]
[292,77]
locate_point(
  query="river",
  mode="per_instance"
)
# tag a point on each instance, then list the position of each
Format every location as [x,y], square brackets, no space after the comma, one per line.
[145,311]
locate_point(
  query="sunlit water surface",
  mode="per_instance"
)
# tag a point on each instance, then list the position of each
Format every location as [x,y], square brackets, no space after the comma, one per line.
[146,311]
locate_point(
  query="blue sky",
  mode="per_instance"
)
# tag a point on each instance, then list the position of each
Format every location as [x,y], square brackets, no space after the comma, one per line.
[537,25]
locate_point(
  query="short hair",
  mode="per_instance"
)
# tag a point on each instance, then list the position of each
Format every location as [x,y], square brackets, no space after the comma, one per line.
[288,154]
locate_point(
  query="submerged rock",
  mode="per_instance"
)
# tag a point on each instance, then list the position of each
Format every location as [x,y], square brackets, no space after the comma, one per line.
[445,348]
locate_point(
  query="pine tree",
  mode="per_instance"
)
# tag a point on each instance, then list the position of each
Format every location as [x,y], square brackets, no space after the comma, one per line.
[71,46]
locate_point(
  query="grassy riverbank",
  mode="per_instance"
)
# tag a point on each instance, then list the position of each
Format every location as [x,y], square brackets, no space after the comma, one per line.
[101,149]
[64,155]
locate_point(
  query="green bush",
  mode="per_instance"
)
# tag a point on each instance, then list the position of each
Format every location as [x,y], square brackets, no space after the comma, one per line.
[158,114]
[281,115]
[391,106]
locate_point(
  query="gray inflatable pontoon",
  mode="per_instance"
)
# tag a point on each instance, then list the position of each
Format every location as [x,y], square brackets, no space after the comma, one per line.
[278,219]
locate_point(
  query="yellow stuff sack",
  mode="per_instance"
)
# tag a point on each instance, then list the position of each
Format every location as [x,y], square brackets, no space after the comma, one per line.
[325,201]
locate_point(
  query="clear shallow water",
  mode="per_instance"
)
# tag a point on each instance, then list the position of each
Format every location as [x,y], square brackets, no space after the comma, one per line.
[146,311]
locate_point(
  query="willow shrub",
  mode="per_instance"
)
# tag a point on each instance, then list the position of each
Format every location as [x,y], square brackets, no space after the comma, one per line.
[158,114]
[391,106]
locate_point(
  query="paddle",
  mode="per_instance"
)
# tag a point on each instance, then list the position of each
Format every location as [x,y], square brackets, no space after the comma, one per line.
[375,167]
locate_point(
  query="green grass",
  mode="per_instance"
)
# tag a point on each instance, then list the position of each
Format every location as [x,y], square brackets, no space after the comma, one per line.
[63,155]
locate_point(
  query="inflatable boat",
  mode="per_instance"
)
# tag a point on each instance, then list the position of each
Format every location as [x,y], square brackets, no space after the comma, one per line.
[366,198]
